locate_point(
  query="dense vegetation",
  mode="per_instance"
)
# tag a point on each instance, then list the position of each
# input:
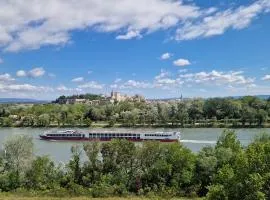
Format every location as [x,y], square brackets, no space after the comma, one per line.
[215,112]
[120,167]
[63,98]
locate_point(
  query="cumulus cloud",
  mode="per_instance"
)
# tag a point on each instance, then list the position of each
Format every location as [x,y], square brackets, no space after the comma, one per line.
[217,77]
[64,89]
[114,86]
[181,62]
[219,22]
[23,88]
[91,85]
[166,56]
[77,80]
[9,85]
[131,84]
[34,73]
[21,73]
[166,80]
[129,35]
[162,74]
[24,26]
[6,78]
[266,77]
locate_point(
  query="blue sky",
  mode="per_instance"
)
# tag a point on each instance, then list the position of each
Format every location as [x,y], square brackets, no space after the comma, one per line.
[157,48]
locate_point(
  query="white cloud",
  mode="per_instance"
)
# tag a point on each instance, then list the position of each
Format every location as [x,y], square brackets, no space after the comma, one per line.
[10,87]
[24,26]
[117,80]
[23,88]
[77,80]
[64,89]
[130,84]
[162,74]
[181,62]
[217,78]
[166,56]
[91,85]
[114,86]
[266,77]
[21,73]
[219,22]
[1,61]
[129,35]
[34,73]
[165,81]
[6,78]
[89,72]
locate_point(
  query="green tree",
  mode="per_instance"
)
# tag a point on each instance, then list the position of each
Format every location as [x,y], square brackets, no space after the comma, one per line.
[18,155]
[42,175]
[195,110]
[261,116]
[182,114]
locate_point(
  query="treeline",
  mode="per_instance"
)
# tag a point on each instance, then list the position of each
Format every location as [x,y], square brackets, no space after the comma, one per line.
[119,168]
[63,99]
[215,112]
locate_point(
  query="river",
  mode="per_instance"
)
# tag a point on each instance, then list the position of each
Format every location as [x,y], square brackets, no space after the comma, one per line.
[193,138]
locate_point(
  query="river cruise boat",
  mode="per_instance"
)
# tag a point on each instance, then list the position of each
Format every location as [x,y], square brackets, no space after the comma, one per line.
[73,135]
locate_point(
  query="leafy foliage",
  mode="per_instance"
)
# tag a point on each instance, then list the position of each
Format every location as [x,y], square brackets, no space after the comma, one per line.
[222,112]
[120,167]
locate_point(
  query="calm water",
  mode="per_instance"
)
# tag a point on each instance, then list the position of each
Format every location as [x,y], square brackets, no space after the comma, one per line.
[193,138]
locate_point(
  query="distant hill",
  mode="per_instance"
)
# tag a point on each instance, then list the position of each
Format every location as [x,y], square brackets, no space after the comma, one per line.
[19,100]
[265,97]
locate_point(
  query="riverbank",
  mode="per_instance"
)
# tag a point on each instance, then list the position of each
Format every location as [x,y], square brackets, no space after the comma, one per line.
[104,124]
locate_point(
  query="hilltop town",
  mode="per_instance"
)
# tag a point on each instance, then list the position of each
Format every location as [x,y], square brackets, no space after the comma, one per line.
[93,99]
